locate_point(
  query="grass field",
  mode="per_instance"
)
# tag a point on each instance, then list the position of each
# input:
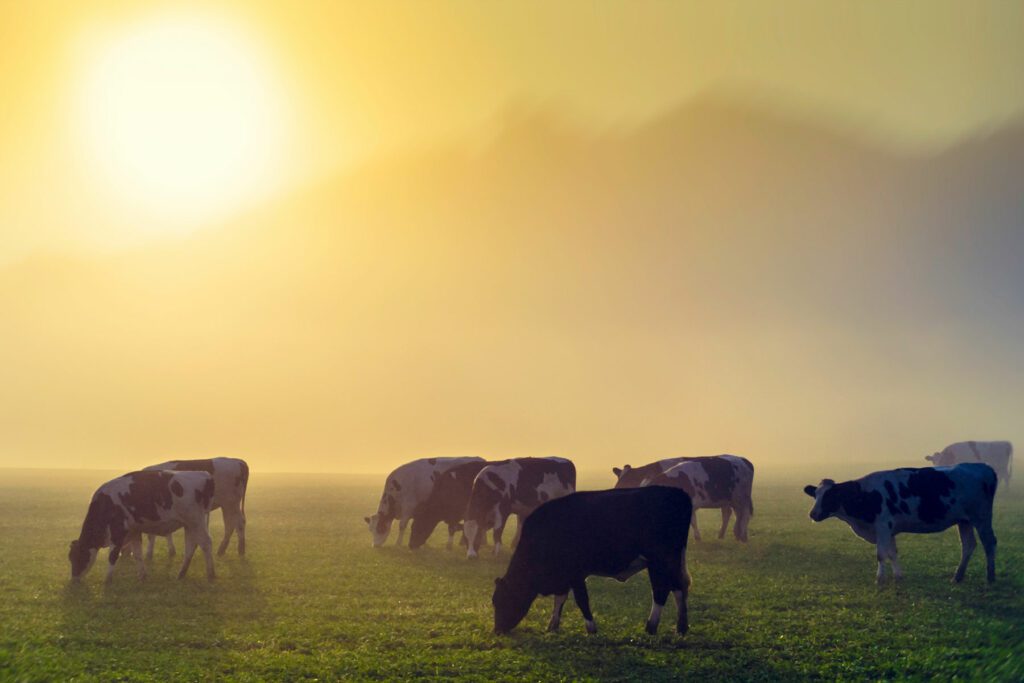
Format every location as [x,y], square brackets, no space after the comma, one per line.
[313,600]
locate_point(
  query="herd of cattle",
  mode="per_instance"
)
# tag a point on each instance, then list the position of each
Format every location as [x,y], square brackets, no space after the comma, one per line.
[563,536]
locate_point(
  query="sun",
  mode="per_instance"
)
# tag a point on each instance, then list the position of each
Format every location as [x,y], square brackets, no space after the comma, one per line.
[182,117]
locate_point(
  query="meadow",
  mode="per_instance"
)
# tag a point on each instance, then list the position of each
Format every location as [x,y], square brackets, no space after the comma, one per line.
[312,600]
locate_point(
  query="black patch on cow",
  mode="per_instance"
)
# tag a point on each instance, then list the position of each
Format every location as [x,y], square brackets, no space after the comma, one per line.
[891,499]
[721,481]
[495,481]
[177,489]
[855,501]
[205,465]
[395,485]
[204,495]
[930,486]
[149,492]
[447,501]
[532,473]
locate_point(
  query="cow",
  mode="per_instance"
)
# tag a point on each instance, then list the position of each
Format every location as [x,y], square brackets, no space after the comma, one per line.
[628,477]
[996,454]
[446,503]
[513,487]
[614,533]
[405,489]
[914,500]
[720,481]
[231,479]
[145,502]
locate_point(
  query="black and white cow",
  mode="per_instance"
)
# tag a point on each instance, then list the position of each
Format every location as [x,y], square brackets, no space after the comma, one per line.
[628,477]
[914,500]
[447,503]
[513,487]
[231,479]
[614,533]
[147,502]
[405,489]
[996,454]
[719,481]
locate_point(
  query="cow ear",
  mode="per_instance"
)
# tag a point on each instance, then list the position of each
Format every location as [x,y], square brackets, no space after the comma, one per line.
[617,471]
[810,490]
[626,468]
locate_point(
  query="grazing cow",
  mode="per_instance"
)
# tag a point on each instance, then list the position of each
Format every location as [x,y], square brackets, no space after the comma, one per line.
[513,487]
[614,533]
[915,500]
[231,479]
[628,477]
[147,502]
[996,454]
[446,503]
[720,481]
[405,490]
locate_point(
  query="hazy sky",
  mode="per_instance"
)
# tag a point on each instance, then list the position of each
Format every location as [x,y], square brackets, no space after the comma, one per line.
[335,235]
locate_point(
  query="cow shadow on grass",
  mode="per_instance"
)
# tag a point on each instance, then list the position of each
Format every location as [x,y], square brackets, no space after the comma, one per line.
[118,619]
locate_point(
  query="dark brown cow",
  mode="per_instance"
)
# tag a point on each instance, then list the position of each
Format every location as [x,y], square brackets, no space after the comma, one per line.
[147,502]
[447,503]
[231,477]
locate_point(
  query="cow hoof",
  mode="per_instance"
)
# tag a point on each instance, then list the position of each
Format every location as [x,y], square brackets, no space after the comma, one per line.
[591,627]
[651,627]
[552,628]
[681,629]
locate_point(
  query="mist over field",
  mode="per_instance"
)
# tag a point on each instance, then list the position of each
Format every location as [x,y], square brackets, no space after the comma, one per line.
[730,276]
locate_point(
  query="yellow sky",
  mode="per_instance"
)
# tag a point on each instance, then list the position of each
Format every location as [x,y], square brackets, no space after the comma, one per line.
[338,234]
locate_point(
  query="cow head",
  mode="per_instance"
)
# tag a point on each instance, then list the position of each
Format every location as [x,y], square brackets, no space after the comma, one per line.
[620,472]
[826,502]
[81,559]
[380,527]
[511,603]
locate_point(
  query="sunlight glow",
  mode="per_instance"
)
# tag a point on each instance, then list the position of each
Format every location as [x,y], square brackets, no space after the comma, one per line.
[182,118]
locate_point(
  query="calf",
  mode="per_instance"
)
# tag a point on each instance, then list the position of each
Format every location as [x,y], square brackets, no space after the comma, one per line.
[151,502]
[996,454]
[915,500]
[614,533]
[720,481]
[447,503]
[231,479]
[513,487]
[405,490]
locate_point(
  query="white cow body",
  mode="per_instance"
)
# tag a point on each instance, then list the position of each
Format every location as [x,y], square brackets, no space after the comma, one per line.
[996,454]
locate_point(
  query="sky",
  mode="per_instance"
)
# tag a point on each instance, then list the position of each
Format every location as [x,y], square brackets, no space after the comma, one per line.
[250,227]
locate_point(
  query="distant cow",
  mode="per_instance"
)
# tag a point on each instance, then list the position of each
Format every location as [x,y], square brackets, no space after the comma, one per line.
[147,502]
[996,454]
[447,503]
[405,489]
[628,477]
[914,500]
[513,487]
[720,481]
[614,533]
[231,479]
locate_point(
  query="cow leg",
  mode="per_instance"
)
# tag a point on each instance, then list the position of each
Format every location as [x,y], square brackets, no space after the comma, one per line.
[499,529]
[880,574]
[660,585]
[190,550]
[988,542]
[967,545]
[452,530]
[726,514]
[240,530]
[140,564]
[519,530]
[897,573]
[680,578]
[171,550]
[885,549]
[693,523]
[115,552]
[151,542]
[739,529]
[206,544]
[230,523]
[401,529]
[556,612]
[579,594]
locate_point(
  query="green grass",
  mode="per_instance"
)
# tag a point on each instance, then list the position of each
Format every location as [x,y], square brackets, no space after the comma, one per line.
[314,601]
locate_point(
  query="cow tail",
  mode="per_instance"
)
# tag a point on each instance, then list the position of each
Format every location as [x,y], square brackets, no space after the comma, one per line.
[245,483]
